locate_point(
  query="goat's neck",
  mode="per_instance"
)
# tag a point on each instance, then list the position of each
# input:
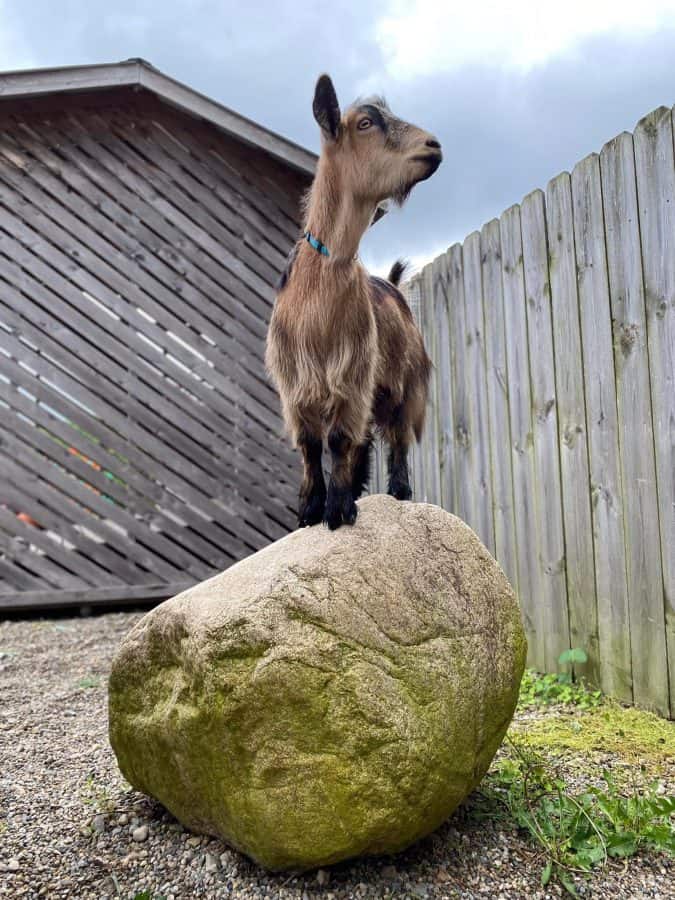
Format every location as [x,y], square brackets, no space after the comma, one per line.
[335,216]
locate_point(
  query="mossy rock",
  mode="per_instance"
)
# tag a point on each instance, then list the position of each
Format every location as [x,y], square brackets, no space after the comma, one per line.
[336,694]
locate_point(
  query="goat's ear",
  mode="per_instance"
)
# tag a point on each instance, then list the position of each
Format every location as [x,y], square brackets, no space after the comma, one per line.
[326,107]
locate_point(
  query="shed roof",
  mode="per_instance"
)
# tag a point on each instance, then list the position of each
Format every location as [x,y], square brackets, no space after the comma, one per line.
[141,74]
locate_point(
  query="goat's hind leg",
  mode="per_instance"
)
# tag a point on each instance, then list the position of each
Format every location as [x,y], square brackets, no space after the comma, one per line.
[313,489]
[398,437]
[361,472]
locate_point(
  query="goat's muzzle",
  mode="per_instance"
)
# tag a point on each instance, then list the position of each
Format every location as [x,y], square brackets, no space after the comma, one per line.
[432,161]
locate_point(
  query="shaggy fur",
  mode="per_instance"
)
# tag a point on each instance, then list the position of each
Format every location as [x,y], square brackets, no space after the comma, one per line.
[342,347]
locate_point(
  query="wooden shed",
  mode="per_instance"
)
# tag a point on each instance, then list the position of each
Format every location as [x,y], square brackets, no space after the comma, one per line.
[142,229]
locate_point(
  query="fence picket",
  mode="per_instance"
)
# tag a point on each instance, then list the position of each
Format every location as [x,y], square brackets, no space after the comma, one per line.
[499,428]
[636,439]
[656,198]
[476,393]
[601,414]
[547,501]
[522,451]
[572,433]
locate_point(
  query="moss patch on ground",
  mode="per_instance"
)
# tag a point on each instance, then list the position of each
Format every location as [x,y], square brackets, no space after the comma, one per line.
[632,734]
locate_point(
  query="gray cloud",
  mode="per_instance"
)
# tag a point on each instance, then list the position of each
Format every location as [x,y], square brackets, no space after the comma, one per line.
[503,132]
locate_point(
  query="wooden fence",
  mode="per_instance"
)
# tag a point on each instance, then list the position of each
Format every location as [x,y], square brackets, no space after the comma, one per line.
[552,416]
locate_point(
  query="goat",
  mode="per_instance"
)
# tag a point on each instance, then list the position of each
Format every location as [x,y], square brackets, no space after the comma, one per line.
[342,347]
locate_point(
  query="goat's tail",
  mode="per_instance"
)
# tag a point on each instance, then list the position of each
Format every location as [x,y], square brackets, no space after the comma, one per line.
[397,271]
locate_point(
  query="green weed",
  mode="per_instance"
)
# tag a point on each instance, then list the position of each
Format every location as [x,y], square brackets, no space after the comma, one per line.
[577,831]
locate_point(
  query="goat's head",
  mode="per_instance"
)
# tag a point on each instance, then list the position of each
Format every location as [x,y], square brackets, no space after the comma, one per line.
[378,155]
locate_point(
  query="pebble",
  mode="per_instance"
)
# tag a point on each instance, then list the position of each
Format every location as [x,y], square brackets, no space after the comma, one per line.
[98,824]
[141,833]
[193,841]
[13,865]
[322,877]
[210,863]
[123,819]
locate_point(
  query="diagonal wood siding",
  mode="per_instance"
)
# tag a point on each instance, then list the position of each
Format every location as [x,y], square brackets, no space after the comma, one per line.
[142,446]
[552,415]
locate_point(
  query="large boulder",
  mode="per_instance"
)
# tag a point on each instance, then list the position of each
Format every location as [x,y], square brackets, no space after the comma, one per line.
[335,694]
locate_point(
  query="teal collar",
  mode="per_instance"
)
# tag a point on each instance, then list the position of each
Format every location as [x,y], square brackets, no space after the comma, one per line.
[316,243]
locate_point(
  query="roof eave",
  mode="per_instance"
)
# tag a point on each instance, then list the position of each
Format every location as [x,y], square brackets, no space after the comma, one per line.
[73,79]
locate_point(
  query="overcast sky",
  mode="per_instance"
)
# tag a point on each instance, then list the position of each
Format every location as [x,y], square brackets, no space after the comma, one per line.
[515,92]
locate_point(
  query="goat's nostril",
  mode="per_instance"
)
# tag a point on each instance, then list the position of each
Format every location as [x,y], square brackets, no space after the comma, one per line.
[432,142]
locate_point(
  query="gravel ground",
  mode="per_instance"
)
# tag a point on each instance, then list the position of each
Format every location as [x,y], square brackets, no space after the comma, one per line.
[70,826]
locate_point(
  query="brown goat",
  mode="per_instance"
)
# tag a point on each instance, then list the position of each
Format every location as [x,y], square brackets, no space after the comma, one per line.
[342,347]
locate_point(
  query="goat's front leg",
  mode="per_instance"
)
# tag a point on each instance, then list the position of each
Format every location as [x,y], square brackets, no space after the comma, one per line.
[313,488]
[340,506]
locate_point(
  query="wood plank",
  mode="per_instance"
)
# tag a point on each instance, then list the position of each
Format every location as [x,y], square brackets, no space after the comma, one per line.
[442,362]
[602,425]
[11,601]
[465,489]
[417,459]
[636,438]
[192,455]
[226,224]
[34,450]
[147,386]
[548,501]
[572,432]
[186,216]
[39,186]
[522,450]
[431,444]
[50,502]
[187,501]
[476,393]
[656,200]
[27,546]
[139,428]
[244,197]
[150,495]
[26,493]
[111,287]
[12,576]
[122,190]
[499,428]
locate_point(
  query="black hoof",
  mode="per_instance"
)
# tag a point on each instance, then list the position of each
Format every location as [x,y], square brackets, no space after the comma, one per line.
[340,509]
[401,490]
[311,513]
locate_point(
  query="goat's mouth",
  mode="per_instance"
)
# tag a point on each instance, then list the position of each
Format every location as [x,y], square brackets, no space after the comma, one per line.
[432,160]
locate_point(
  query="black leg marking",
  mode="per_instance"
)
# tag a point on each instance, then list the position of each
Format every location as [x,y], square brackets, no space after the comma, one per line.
[313,490]
[399,480]
[340,506]
[361,474]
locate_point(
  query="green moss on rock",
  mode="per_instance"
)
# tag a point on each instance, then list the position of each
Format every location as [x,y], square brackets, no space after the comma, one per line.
[334,695]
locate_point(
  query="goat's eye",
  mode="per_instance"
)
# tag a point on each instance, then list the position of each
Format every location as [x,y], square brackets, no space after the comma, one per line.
[364,124]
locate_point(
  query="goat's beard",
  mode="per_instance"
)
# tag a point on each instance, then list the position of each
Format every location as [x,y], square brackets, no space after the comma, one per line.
[402,192]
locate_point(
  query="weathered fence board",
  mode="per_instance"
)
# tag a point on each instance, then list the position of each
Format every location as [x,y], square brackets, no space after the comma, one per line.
[572,432]
[601,420]
[570,390]
[476,393]
[548,503]
[636,439]
[522,445]
[441,359]
[499,437]
[656,201]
